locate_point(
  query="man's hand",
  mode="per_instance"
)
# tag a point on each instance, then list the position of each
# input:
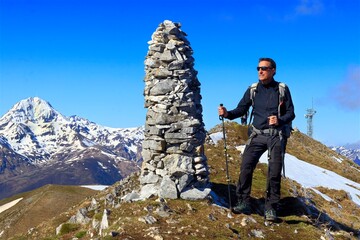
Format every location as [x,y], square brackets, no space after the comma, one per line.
[222,111]
[273,120]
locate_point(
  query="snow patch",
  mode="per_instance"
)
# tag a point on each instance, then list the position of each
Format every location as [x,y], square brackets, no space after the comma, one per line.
[95,187]
[312,176]
[6,206]
[102,165]
[337,159]
[215,137]
[324,196]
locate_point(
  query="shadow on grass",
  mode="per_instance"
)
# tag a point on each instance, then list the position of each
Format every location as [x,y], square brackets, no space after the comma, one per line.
[288,206]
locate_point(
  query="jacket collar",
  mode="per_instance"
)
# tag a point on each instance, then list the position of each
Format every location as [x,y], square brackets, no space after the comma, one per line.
[272,83]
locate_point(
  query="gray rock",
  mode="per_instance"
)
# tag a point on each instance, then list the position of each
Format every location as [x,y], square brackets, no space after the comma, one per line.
[148,219]
[149,178]
[195,194]
[93,205]
[149,190]
[104,224]
[257,233]
[130,197]
[162,87]
[168,188]
[80,217]
[154,145]
[58,229]
[183,181]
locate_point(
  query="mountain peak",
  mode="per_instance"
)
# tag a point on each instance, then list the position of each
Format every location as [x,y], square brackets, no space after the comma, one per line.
[32,109]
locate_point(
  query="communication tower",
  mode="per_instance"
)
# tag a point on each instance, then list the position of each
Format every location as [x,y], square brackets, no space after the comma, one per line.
[309,115]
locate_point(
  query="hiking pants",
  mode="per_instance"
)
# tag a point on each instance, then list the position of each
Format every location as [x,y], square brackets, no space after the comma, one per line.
[252,153]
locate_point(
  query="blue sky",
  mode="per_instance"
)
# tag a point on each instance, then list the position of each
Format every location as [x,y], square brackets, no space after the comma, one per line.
[87,57]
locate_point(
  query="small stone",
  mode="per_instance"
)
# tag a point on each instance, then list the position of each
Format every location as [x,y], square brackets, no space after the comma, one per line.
[211,217]
[148,219]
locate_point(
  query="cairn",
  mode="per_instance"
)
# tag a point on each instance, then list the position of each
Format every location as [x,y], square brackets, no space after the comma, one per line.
[174,164]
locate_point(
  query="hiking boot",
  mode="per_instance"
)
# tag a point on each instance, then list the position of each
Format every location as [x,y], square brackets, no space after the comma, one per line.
[270,215]
[242,207]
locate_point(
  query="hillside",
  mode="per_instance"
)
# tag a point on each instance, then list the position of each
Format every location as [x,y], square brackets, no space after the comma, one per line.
[39,205]
[304,213]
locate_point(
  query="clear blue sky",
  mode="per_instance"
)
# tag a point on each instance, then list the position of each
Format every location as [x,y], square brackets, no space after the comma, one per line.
[86,57]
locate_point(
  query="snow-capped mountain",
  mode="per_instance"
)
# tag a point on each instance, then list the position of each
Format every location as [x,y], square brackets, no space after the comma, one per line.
[351,151]
[38,141]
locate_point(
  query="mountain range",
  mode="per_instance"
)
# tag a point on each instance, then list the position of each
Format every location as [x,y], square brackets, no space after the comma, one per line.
[41,146]
[351,151]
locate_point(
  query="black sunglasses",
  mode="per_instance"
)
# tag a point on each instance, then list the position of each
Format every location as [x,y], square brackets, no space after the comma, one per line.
[264,68]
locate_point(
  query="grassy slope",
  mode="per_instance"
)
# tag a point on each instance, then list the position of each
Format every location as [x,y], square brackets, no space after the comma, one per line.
[39,205]
[305,215]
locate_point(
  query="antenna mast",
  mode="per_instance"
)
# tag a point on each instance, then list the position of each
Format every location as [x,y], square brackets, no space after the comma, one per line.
[309,115]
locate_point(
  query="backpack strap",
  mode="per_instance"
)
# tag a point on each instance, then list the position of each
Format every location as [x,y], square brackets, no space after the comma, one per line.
[282,87]
[287,128]
[286,131]
[253,88]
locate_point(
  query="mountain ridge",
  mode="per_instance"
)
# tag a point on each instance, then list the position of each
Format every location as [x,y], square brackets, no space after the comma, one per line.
[351,151]
[36,138]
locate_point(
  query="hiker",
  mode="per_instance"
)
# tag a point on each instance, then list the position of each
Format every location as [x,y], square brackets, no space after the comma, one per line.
[272,114]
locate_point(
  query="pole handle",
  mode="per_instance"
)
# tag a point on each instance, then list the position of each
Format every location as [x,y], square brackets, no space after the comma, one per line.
[221,117]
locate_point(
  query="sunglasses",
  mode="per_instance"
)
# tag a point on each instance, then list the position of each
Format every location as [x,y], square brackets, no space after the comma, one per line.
[263,68]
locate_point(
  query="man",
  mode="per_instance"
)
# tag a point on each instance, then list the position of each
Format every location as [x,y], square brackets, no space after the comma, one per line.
[272,116]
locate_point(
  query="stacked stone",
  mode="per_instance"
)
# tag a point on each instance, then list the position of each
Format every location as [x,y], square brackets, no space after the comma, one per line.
[174,164]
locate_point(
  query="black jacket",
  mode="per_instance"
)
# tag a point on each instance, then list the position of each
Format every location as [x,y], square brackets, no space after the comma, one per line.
[266,103]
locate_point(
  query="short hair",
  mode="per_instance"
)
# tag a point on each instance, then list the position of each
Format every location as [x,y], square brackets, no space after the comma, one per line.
[271,61]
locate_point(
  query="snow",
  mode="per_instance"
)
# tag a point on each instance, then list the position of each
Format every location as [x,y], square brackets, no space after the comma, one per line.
[312,176]
[88,143]
[132,147]
[95,187]
[216,136]
[6,206]
[326,197]
[337,159]
[101,165]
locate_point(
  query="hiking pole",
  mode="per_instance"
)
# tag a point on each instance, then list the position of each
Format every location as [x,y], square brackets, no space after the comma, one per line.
[267,191]
[226,158]
[283,154]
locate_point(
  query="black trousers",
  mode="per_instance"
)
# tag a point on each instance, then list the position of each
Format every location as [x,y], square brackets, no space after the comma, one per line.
[252,153]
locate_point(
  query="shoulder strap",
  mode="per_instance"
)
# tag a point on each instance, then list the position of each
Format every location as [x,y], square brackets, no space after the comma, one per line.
[253,88]
[282,87]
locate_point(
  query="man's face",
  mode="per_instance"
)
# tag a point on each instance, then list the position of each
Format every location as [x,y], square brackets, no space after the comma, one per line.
[265,71]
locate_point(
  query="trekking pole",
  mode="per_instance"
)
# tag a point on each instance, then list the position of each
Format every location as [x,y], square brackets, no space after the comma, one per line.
[267,191]
[267,180]
[226,158]
[283,155]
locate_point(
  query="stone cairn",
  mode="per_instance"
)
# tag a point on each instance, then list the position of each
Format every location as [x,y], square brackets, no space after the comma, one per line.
[174,164]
